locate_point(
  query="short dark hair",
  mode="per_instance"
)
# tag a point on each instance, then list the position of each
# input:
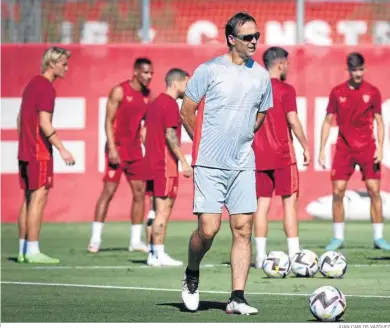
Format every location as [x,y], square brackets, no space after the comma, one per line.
[237,20]
[354,60]
[272,54]
[175,74]
[141,61]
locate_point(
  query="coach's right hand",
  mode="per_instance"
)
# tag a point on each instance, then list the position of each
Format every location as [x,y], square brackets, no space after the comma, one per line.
[67,157]
[113,156]
[187,170]
[321,160]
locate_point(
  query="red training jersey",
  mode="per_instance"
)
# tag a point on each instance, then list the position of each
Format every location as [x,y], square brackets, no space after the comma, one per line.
[354,110]
[39,95]
[163,113]
[272,144]
[127,125]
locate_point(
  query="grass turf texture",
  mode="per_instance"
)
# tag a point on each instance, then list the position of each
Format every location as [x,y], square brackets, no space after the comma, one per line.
[139,297]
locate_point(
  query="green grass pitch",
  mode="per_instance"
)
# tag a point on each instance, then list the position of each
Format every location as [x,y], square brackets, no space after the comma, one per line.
[117,286]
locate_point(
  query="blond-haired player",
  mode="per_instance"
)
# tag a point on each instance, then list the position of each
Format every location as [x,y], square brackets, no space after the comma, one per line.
[35,154]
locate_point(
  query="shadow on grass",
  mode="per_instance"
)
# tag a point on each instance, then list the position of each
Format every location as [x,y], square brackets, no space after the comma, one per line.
[203,306]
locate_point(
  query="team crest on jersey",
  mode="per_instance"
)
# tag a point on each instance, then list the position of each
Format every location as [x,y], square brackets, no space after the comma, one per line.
[366,98]
[146,100]
[129,99]
[343,99]
[111,173]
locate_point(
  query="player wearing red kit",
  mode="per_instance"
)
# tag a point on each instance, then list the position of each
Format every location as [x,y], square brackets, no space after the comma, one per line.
[276,168]
[126,108]
[162,154]
[35,154]
[356,104]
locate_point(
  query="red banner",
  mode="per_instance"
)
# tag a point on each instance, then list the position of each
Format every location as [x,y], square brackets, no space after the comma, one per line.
[80,107]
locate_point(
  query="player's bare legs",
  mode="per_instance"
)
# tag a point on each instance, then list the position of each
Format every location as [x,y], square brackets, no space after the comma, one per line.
[35,208]
[290,223]
[158,256]
[339,187]
[241,226]
[109,189]
[149,221]
[373,189]
[137,215]
[261,229]
[22,226]
[200,242]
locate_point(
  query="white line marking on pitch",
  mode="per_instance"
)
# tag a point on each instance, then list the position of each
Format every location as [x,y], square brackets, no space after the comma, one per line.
[116,267]
[86,267]
[52,284]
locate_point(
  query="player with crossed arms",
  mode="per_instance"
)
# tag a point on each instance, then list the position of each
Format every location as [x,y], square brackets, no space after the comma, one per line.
[276,168]
[356,103]
[237,93]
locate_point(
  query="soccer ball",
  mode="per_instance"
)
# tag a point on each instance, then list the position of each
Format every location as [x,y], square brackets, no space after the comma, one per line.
[304,263]
[332,264]
[277,265]
[327,303]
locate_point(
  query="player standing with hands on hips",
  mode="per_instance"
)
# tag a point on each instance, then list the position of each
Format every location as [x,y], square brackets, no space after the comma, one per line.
[238,93]
[356,104]
[36,139]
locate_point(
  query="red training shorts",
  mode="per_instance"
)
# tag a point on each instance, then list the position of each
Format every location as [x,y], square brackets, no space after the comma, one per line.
[132,170]
[284,181]
[344,163]
[162,186]
[35,174]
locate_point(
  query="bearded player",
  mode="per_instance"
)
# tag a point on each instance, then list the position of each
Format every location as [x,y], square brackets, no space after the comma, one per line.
[276,168]
[356,104]
[126,108]
[162,155]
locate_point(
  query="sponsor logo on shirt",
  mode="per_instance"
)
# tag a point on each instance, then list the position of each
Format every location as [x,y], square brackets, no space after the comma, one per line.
[366,98]
[343,99]
[129,99]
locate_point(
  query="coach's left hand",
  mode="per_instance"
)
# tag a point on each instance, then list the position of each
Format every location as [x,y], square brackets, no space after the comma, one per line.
[378,156]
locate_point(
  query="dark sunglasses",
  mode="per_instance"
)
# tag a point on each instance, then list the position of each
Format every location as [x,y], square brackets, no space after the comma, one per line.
[248,37]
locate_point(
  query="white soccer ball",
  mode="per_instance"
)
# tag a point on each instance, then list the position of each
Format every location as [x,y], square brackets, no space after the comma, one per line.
[277,265]
[332,264]
[327,303]
[304,263]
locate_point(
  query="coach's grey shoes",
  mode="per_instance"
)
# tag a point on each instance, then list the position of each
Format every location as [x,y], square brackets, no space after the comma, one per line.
[240,306]
[190,292]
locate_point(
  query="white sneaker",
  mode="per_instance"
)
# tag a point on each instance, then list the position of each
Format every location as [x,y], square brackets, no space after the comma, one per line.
[94,246]
[165,260]
[259,261]
[139,247]
[237,306]
[152,260]
[190,292]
